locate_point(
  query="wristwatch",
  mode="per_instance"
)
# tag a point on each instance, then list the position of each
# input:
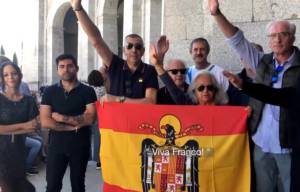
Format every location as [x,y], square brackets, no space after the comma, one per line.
[122,99]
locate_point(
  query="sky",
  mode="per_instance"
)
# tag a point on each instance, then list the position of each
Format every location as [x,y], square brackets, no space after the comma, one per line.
[13,18]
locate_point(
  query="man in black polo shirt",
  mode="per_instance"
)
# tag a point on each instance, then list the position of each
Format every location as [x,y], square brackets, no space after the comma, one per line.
[131,80]
[68,110]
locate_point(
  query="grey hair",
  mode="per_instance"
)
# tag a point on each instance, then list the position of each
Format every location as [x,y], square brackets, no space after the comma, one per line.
[292,26]
[220,97]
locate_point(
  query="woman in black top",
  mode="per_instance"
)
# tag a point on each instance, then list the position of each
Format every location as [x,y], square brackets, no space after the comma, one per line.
[17,116]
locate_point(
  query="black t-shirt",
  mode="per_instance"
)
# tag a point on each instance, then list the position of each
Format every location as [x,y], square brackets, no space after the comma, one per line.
[12,154]
[71,103]
[133,85]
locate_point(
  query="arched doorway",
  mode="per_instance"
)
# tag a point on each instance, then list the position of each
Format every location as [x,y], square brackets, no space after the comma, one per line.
[70,33]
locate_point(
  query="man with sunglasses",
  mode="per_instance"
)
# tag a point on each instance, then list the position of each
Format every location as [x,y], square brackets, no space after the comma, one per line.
[199,50]
[176,70]
[131,80]
[270,126]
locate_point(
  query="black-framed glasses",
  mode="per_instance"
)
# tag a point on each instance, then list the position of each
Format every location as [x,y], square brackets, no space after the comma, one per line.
[278,69]
[176,71]
[208,87]
[137,46]
[279,35]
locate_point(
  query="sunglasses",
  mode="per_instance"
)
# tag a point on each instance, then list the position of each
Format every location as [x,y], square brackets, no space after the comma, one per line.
[278,69]
[136,46]
[176,71]
[208,87]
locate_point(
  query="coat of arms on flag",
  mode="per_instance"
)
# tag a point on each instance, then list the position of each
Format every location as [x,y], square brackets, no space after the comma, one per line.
[170,167]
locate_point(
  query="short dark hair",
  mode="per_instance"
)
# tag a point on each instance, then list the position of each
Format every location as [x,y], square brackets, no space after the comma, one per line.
[18,70]
[200,40]
[66,56]
[95,78]
[136,36]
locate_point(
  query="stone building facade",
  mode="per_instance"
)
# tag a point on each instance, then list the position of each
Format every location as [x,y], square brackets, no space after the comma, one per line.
[56,30]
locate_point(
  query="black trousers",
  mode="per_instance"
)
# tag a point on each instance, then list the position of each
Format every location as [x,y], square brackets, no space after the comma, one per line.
[295,171]
[74,153]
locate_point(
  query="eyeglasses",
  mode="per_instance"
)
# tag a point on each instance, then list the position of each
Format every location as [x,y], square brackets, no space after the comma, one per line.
[176,71]
[278,69]
[208,87]
[279,35]
[136,46]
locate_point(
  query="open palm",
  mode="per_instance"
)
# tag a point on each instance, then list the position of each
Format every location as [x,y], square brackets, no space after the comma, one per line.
[213,6]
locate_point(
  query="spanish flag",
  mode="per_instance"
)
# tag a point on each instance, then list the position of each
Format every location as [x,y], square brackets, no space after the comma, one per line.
[174,148]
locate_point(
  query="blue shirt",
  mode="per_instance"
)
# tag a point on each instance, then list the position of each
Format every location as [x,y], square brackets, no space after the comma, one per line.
[267,134]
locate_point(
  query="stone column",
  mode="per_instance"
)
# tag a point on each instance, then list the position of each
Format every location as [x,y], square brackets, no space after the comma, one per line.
[152,23]
[86,54]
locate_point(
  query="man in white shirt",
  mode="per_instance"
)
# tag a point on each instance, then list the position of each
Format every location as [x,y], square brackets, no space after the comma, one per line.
[199,50]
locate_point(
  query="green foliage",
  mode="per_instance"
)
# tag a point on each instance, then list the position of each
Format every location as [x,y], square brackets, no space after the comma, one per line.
[15,59]
[2,51]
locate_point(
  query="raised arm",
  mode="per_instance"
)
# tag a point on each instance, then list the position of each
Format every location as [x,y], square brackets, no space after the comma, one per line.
[283,96]
[162,48]
[235,37]
[225,26]
[92,32]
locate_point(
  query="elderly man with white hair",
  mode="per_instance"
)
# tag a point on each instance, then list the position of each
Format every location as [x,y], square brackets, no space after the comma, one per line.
[269,125]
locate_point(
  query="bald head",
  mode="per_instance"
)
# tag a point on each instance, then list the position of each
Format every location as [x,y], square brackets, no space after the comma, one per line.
[176,69]
[175,64]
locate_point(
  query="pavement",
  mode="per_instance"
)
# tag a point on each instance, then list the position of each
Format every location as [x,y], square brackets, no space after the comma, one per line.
[93,179]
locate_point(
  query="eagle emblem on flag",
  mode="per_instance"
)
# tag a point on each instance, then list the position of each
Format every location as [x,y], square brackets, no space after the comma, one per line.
[169,167]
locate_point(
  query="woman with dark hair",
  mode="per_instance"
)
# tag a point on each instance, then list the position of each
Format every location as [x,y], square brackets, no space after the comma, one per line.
[17,117]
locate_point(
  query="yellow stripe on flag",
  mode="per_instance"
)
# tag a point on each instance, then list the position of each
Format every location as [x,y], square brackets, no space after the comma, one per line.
[224,166]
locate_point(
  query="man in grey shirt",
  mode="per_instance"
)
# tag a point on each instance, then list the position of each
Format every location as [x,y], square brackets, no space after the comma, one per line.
[269,125]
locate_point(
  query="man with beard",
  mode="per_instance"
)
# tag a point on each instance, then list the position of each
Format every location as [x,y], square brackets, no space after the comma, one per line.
[199,50]
[68,110]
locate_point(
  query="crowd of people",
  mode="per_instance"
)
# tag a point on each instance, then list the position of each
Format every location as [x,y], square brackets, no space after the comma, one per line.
[67,108]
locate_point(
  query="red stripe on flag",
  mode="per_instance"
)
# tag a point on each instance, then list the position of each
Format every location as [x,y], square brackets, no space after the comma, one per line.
[112,188]
[127,118]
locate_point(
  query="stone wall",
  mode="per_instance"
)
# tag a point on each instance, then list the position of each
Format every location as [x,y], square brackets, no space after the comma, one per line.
[186,20]
[180,20]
